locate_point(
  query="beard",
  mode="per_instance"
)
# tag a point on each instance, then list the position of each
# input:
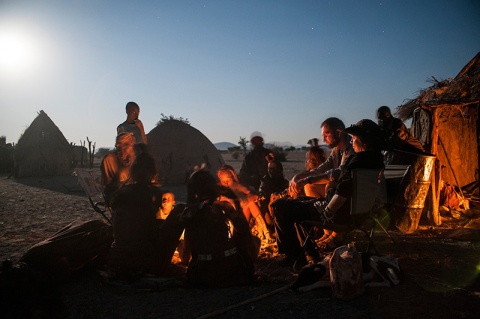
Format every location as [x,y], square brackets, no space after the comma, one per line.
[334,142]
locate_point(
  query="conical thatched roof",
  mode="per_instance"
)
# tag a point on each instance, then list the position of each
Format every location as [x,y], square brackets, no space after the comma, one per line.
[463,90]
[42,150]
[178,148]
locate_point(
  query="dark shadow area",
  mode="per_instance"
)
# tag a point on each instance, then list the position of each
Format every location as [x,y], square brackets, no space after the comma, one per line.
[61,184]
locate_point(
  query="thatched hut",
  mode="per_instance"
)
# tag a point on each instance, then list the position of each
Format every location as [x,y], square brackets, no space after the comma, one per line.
[178,148]
[445,119]
[42,150]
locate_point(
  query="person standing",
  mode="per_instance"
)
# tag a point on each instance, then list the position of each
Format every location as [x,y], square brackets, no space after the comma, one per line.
[255,164]
[133,124]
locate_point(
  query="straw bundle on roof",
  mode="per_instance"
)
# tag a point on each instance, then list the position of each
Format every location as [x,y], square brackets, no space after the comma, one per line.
[463,90]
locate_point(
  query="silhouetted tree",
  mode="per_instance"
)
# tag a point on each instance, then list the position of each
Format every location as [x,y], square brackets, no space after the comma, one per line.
[243,143]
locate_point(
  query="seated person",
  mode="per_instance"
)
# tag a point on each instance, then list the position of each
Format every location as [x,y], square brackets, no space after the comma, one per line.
[241,195]
[115,166]
[314,157]
[397,134]
[222,248]
[325,176]
[272,186]
[329,171]
[142,244]
[168,202]
[336,210]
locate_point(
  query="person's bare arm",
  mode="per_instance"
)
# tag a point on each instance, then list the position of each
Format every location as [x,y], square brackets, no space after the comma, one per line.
[139,124]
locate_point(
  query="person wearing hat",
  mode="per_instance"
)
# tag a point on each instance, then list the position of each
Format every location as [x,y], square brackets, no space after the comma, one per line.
[255,164]
[133,124]
[115,166]
[367,143]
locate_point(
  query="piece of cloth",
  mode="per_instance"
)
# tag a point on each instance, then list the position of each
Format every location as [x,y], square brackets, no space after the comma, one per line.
[421,126]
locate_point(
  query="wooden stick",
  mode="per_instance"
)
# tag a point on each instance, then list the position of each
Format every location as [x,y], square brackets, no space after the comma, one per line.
[245,302]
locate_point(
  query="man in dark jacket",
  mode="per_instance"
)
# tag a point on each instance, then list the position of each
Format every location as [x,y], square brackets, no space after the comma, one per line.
[255,164]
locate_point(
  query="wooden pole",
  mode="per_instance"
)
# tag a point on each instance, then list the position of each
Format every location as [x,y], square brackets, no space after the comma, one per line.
[435,218]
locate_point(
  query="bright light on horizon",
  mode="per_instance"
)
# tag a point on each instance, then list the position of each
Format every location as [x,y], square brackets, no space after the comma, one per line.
[20,52]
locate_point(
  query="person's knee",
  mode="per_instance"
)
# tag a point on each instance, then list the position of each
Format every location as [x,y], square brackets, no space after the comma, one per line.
[314,190]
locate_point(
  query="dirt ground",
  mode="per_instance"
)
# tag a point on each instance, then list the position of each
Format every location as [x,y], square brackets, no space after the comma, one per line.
[441,267]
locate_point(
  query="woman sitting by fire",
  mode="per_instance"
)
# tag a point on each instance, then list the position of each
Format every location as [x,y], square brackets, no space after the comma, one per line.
[245,198]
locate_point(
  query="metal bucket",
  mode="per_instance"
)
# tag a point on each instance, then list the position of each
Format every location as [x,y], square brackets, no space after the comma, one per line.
[410,200]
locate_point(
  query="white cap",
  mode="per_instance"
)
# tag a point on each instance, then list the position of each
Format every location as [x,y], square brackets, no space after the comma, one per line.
[254,134]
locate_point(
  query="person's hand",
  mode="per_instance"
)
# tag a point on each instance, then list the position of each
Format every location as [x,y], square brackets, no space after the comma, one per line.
[139,124]
[252,197]
[295,187]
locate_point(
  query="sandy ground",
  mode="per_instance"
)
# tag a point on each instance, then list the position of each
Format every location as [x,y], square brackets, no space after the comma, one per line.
[441,266]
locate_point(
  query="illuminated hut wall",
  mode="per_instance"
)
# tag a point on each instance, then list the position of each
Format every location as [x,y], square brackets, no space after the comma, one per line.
[449,127]
[178,148]
[457,146]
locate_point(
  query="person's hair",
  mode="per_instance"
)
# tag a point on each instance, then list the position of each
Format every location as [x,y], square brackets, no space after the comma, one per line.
[125,139]
[318,153]
[383,110]
[201,186]
[229,169]
[333,123]
[144,169]
[131,105]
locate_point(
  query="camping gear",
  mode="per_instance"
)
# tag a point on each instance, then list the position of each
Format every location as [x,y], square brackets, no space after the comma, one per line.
[71,249]
[409,202]
[346,273]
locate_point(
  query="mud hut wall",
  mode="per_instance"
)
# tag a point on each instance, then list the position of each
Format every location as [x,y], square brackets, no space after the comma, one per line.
[178,148]
[46,159]
[43,150]
[458,144]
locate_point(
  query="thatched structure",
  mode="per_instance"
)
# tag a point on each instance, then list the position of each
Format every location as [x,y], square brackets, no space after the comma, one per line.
[42,150]
[178,148]
[6,156]
[445,119]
